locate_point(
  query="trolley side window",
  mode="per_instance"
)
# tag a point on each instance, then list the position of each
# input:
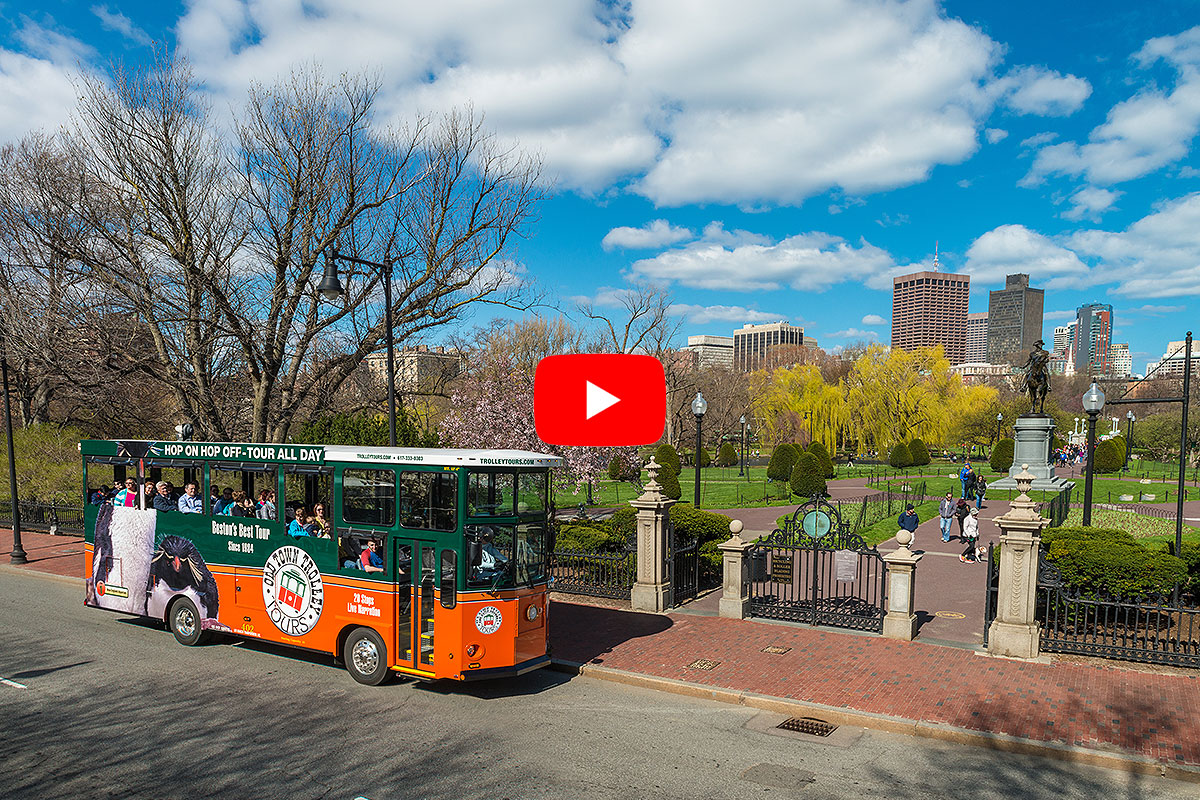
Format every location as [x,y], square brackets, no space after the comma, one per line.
[429,500]
[491,494]
[369,496]
[531,492]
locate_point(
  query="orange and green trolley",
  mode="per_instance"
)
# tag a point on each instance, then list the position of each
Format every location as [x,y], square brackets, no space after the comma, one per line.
[425,562]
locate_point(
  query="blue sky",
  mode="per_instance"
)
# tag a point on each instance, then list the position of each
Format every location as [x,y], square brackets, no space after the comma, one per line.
[764,160]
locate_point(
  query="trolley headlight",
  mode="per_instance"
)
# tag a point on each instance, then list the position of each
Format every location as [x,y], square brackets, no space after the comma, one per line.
[531,613]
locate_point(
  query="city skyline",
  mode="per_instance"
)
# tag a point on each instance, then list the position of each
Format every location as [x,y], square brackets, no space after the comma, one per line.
[757,179]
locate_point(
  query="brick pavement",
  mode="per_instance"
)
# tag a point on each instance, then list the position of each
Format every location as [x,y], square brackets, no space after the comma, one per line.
[1102,706]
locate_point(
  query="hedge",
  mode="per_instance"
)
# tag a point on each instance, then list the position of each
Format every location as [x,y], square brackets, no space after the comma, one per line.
[588,538]
[693,523]
[807,480]
[666,457]
[822,455]
[1002,455]
[727,455]
[1108,457]
[779,468]
[1107,561]
[669,480]
[900,457]
[918,452]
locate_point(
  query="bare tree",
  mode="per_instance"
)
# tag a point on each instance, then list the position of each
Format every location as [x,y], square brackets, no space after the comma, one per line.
[642,322]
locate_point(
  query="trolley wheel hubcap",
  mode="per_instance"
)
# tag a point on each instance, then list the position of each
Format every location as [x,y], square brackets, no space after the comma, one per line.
[185,621]
[365,656]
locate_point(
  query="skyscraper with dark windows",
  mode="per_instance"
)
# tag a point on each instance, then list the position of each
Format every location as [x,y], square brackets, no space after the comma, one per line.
[1093,339]
[1014,320]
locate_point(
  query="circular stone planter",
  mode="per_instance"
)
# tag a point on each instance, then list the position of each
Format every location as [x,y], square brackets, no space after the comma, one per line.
[1126,498]
[1149,496]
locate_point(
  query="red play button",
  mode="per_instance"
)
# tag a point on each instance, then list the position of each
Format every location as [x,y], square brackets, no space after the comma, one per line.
[600,400]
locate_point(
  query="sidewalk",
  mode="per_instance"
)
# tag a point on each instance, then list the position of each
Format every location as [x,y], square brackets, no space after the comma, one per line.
[1107,712]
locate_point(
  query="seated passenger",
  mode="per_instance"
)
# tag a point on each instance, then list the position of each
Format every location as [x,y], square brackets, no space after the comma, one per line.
[214,497]
[162,499]
[189,501]
[127,496]
[266,504]
[297,526]
[370,560]
[223,502]
[237,505]
[348,553]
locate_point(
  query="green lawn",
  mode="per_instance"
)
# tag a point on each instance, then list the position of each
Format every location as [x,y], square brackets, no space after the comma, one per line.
[1149,529]
[1109,490]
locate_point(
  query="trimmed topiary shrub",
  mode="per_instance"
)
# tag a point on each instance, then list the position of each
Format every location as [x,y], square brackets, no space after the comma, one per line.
[696,524]
[588,539]
[779,468]
[705,458]
[666,456]
[1002,455]
[623,523]
[670,484]
[727,456]
[1105,561]
[818,451]
[918,452]
[807,480]
[1119,442]
[900,457]
[1108,457]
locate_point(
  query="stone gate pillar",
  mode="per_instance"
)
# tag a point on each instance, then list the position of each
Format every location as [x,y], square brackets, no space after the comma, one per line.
[652,591]
[900,622]
[1015,632]
[735,595]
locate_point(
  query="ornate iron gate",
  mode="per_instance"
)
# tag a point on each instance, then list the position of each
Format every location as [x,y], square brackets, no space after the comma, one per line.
[991,603]
[685,570]
[816,571]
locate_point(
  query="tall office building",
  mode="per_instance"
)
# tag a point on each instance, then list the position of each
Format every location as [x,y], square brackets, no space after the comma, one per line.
[1121,361]
[1064,335]
[1014,320]
[712,351]
[1093,339]
[752,342]
[1173,361]
[976,338]
[929,309]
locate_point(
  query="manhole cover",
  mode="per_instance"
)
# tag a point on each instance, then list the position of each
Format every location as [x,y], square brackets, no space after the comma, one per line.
[810,725]
[950,615]
[702,663]
[775,649]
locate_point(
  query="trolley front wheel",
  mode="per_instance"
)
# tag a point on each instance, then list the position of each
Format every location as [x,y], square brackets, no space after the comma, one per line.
[366,658]
[184,621]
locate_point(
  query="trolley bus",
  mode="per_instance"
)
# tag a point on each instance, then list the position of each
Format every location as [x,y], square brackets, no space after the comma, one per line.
[461,536]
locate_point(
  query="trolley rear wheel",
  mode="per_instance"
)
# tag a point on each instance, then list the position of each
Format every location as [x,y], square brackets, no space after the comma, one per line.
[184,621]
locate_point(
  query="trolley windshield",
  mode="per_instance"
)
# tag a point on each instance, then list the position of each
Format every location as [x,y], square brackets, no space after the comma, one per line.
[506,529]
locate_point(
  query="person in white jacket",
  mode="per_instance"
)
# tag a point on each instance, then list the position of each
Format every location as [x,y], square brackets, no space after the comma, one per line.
[971,535]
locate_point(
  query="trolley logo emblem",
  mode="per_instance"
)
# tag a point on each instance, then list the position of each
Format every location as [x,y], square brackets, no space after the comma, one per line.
[488,619]
[292,590]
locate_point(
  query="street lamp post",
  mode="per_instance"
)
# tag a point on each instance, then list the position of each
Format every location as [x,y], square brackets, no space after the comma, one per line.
[1093,404]
[331,289]
[742,448]
[699,406]
[18,552]
[1129,438]
[999,418]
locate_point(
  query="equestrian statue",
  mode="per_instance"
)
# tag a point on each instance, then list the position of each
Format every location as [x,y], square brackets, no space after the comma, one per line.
[1037,377]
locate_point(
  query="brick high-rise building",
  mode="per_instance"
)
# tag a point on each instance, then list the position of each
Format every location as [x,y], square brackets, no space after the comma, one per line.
[1014,320]
[930,308]
[977,338]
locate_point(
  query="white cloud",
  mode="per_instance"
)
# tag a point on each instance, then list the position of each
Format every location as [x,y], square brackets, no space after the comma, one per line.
[873,319]
[1154,311]
[1045,92]
[118,22]
[702,315]
[1091,202]
[808,261]
[1014,248]
[1066,314]
[1149,130]
[1039,139]
[679,100]
[854,333]
[995,135]
[657,233]
[34,94]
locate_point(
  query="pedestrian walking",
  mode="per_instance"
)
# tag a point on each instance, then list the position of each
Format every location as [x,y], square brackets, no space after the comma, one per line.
[946,515]
[972,484]
[971,535]
[962,477]
[980,488]
[908,521]
[961,511]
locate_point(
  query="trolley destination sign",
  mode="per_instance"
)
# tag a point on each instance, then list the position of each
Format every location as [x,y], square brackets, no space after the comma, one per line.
[222,451]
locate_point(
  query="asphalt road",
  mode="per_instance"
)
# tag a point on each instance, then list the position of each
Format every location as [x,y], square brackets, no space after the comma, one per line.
[113,707]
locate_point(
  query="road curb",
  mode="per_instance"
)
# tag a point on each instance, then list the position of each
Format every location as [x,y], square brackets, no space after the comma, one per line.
[1125,762]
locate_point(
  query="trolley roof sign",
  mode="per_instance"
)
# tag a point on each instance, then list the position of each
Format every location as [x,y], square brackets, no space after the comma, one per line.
[318,454]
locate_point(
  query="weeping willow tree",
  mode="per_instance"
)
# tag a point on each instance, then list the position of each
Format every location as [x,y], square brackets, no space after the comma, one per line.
[897,395]
[794,404]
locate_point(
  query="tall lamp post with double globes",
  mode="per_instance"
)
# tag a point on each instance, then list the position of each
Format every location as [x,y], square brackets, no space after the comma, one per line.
[999,419]
[331,289]
[1093,404]
[699,406]
[18,555]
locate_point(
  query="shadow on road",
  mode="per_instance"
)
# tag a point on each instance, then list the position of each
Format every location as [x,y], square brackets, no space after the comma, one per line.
[583,634]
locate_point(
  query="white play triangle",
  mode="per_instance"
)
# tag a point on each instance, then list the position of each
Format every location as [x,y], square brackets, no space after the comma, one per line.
[598,399]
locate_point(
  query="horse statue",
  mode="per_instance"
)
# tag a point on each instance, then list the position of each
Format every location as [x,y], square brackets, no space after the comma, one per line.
[1037,377]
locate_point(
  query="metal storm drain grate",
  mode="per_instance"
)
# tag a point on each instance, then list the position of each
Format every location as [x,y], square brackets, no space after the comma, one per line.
[810,725]
[702,663]
[776,650]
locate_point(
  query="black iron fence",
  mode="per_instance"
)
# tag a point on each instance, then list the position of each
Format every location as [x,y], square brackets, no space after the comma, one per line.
[1155,629]
[594,574]
[880,506]
[685,570]
[45,517]
[991,603]
[1056,508]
